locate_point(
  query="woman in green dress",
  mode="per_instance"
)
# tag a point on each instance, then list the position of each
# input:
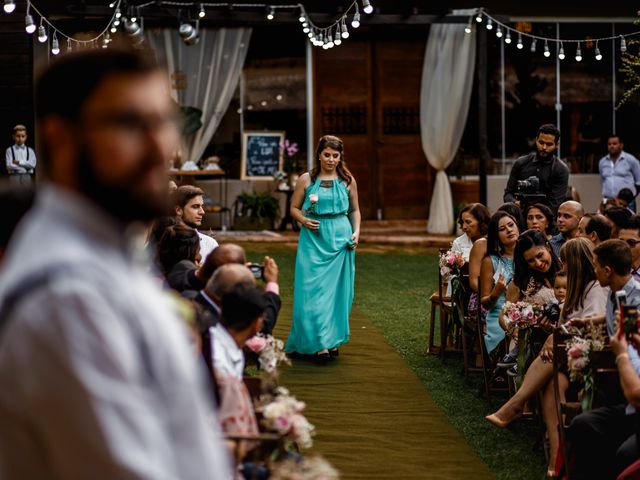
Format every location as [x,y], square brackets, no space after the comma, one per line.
[325,203]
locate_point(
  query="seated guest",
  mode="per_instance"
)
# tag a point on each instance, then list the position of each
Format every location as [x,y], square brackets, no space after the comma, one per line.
[602,441]
[569,215]
[188,203]
[473,221]
[625,199]
[231,274]
[630,233]
[595,227]
[516,212]
[617,218]
[584,298]
[178,243]
[539,217]
[242,314]
[154,235]
[496,273]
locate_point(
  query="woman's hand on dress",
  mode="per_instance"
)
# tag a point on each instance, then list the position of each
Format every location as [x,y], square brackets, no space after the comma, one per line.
[546,353]
[355,239]
[312,225]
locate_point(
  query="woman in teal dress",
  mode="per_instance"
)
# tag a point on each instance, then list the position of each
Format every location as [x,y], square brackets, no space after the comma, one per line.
[496,272]
[325,203]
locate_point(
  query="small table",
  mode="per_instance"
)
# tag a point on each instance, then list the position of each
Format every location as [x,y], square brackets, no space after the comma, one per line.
[287,216]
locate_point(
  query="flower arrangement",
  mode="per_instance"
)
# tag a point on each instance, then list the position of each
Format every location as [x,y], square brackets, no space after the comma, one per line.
[282,413]
[451,262]
[313,199]
[579,351]
[271,352]
[520,315]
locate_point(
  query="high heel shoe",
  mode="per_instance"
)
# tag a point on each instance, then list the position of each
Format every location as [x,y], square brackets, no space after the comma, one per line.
[495,420]
[334,352]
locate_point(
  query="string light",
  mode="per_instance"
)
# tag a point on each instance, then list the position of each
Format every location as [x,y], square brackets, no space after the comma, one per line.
[118,13]
[302,18]
[338,38]
[9,6]
[29,24]
[519,46]
[201,12]
[271,14]
[499,32]
[623,44]
[546,53]
[42,33]
[561,53]
[578,53]
[489,25]
[533,46]
[345,32]
[367,7]
[55,46]
[355,23]
[479,16]
[507,39]
[467,29]
[598,55]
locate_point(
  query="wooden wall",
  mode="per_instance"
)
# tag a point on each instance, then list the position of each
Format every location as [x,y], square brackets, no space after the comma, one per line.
[16,78]
[367,91]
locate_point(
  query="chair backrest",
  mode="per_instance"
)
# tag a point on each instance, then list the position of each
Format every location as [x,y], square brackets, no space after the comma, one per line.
[606,379]
[441,291]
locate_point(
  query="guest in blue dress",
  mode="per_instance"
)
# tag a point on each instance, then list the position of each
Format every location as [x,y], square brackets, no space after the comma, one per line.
[325,203]
[496,273]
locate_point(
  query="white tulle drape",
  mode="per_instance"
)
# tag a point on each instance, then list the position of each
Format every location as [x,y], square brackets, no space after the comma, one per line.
[213,67]
[447,78]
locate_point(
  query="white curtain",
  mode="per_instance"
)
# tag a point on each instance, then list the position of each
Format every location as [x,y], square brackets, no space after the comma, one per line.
[447,78]
[213,67]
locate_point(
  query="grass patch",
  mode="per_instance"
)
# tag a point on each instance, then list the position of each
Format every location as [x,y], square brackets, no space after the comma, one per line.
[392,289]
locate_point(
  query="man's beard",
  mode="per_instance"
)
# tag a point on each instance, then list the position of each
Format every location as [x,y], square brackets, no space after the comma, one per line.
[123,201]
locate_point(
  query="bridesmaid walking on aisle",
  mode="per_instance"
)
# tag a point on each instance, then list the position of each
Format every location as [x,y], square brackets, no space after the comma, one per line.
[325,203]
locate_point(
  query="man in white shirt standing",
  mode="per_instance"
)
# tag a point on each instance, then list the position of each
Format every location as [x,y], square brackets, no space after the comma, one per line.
[188,203]
[20,159]
[98,378]
[618,169]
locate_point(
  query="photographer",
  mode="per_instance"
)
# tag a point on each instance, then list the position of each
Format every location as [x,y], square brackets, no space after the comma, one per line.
[551,173]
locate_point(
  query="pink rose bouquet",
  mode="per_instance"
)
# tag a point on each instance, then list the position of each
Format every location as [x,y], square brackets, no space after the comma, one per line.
[520,315]
[451,262]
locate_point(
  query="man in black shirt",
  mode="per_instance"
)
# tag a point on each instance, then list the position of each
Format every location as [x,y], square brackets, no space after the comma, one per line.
[552,172]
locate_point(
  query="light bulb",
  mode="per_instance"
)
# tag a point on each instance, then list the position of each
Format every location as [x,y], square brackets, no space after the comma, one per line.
[118,12]
[9,6]
[116,22]
[533,46]
[623,44]
[561,53]
[366,7]
[479,17]
[499,32]
[112,4]
[547,53]
[29,26]
[355,23]
[131,27]
[345,32]
[302,18]
[598,54]
[305,29]
[578,53]
[201,12]
[467,29]
[271,14]
[489,24]
[113,29]
[338,39]
[330,41]
[42,34]
[507,39]
[55,46]
[519,46]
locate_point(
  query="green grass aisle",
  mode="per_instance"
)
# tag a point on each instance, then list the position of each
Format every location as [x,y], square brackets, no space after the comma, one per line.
[392,291]
[374,418]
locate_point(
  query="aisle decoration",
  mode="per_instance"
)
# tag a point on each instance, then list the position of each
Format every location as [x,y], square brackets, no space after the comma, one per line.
[451,262]
[580,351]
[271,353]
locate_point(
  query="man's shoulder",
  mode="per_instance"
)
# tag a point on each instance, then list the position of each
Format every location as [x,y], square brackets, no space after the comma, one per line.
[558,238]
[559,164]
[524,159]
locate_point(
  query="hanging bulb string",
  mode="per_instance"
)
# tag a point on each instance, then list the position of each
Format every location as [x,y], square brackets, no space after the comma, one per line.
[31,6]
[553,39]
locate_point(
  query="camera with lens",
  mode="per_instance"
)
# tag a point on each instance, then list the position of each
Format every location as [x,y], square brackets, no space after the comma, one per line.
[528,191]
[257,270]
[551,312]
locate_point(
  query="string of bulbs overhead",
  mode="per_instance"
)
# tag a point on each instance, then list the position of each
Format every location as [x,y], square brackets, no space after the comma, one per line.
[504,32]
[132,22]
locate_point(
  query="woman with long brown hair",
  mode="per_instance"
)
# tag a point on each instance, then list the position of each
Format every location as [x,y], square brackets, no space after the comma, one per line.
[325,203]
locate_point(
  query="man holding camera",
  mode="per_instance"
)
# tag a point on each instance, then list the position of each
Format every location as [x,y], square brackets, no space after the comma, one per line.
[551,173]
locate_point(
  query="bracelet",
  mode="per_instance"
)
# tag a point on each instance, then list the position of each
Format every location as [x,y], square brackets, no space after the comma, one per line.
[621,355]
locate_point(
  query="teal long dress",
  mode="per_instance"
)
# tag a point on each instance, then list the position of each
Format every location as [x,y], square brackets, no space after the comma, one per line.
[495,334]
[325,270]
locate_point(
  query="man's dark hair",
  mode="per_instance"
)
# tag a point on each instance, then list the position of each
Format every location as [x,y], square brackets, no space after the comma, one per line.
[597,223]
[15,201]
[618,215]
[184,194]
[71,79]
[632,224]
[615,135]
[242,306]
[626,194]
[616,255]
[549,129]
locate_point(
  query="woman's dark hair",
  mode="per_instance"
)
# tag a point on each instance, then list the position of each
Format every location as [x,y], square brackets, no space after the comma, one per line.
[546,211]
[522,273]
[158,228]
[329,141]
[480,213]
[494,246]
[179,242]
[515,211]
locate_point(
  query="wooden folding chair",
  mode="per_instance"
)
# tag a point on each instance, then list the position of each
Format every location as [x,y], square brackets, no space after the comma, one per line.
[469,334]
[441,305]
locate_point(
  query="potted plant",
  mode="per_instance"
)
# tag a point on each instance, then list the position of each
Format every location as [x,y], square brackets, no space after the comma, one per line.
[255,211]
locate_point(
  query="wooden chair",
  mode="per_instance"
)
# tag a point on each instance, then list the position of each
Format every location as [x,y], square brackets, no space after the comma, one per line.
[470,347]
[442,306]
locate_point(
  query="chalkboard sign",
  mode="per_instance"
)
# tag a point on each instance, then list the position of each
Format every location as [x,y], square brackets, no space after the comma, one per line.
[261,155]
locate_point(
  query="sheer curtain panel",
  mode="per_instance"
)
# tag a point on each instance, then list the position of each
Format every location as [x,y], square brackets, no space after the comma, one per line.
[447,78]
[206,74]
